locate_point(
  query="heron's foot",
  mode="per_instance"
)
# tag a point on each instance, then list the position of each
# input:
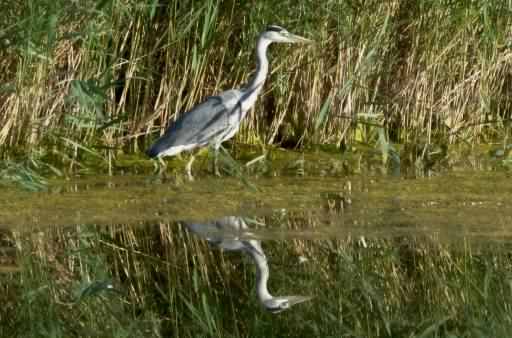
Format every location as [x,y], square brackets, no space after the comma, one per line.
[216,170]
[159,167]
[156,167]
[260,158]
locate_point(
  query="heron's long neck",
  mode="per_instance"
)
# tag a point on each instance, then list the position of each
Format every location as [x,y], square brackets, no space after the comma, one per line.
[257,80]
[262,274]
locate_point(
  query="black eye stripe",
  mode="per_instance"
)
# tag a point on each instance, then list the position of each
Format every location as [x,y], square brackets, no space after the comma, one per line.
[274,28]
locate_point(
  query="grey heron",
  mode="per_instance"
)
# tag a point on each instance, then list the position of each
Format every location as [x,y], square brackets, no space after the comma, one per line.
[218,118]
[225,233]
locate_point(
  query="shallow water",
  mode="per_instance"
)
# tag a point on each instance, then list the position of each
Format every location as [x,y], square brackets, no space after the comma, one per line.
[357,252]
[469,203]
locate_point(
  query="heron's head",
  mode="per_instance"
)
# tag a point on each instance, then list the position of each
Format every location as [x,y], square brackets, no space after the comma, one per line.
[278,304]
[279,34]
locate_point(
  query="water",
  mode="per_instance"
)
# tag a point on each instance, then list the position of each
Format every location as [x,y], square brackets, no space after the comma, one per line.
[369,255]
[469,203]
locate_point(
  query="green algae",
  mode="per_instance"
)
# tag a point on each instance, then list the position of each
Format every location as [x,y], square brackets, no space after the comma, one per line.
[477,202]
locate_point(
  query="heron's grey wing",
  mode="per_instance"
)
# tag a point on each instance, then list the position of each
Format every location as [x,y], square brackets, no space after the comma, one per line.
[203,123]
[217,233]
[207,230]
[200,229]
[236,225]
[228,228]
[232,223]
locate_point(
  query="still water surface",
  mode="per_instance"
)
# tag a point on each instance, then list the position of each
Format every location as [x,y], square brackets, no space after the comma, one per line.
[314,238]
[467,203]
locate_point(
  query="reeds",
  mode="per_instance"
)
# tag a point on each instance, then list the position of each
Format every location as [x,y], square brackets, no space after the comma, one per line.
[110,76]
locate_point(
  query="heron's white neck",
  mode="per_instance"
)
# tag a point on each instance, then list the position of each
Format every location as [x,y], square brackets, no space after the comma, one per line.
[262,275]
[258,79]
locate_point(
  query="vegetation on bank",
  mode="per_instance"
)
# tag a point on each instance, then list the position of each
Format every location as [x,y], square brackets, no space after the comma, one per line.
[103,78]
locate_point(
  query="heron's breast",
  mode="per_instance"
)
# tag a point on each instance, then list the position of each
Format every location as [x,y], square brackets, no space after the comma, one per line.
[248,101]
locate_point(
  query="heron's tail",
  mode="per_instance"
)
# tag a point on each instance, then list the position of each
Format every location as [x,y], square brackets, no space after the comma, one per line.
[160,147]
[153,151]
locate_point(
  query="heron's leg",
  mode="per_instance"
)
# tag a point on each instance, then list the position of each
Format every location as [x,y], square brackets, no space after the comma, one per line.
[161,166]
[189,168]
[156,166]
[216,160]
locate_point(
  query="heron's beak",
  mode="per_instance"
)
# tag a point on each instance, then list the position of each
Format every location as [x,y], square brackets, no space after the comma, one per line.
[293,300]
[298,39]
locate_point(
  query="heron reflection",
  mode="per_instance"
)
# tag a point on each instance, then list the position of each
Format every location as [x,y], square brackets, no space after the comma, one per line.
[226,233]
